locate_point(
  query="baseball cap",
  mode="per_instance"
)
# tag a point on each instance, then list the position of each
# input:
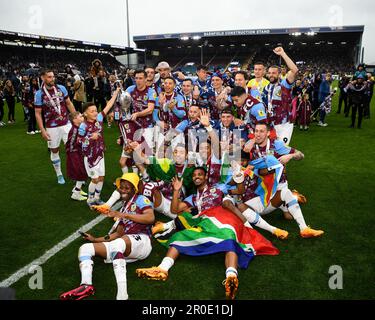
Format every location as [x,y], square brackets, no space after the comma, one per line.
[162,65]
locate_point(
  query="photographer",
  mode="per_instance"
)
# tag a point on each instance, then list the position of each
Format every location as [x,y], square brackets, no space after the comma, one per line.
[79,93]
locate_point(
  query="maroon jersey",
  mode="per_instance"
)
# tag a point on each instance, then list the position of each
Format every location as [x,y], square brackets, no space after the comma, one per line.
[73,144]
[210,197]
[92,149]
[304,113]
[277,148]
[140,103]
[213,170]
[137,205]
[250,184]
[52,102]
[128,129]
[279,100]
[172,117]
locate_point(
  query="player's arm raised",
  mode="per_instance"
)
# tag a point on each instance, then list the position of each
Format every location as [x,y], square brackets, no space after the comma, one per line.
[177,206]
[111,102]
[293,69]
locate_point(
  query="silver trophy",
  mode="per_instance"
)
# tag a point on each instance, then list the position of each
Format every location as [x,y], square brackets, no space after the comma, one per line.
[125,101]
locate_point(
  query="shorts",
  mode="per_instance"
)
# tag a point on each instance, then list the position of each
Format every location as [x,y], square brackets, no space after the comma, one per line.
[141,248]
[96,171]
[255,204]
[57,134]
[284,132]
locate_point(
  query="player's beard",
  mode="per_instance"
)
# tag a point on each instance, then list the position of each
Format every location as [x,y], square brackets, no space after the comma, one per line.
[273,80]
[50,84]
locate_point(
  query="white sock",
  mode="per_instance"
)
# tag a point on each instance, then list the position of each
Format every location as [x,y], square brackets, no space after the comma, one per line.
[116,196]
[231,272]
[166,264]
[56,162]
[125,169]
[119,268]
[257,220]
[296,212]
[91,190]
[78,186]
[85,254]
[98,189]
[293,207]
[145,174]
[135,169]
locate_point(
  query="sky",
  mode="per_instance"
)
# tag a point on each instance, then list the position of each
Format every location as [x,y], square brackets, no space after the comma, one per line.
[105,21]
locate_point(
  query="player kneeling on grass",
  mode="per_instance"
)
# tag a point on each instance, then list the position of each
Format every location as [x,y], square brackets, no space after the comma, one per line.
[130,242]
[91,134]
[75,167]
[260,152]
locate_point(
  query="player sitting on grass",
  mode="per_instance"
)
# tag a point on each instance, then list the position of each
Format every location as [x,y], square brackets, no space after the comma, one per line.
[91,134]
[130,242]
[261,149]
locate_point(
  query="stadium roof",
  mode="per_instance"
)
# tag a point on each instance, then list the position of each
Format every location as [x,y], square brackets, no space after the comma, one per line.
[250,32]
[47,42]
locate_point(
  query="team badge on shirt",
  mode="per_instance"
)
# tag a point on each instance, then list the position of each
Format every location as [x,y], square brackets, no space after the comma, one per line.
[213,190]
[133,207]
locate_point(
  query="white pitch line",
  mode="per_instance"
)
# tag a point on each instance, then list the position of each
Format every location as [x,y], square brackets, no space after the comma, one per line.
[50,253]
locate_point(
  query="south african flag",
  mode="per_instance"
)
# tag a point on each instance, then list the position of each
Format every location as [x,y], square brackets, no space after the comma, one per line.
[219,230]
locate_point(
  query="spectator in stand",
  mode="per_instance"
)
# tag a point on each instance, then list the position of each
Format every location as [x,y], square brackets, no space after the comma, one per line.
[357,90]
[100,91]
[370,92]
[324,91]
[34,87]
[360,71]
[79,93]
[344,81]
[2,124]
[304,112]
[316,84]
[129,80]
[89,87]
[10,98]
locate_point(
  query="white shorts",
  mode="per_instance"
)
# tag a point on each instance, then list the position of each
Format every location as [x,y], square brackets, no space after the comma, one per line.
[165,207]
[282,185]
[284,132]
[96,171]
[148,134]
[141,248]
[57,134]
[255,204]
[125,154]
